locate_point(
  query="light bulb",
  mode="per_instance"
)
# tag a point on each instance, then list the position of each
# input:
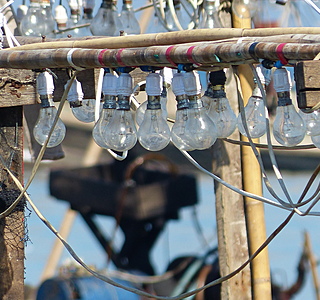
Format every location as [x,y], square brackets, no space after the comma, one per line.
[244,9]
[255,110]
[121,133]
[288,128]
[128,19]
[47,114]
[200,130]
[312,121]
[61,17]
[154,132]
[316,140]
[209,16]
[87,17]
[220,111]
[33,23]
[179,135]
[74,19]
[109,89]
[82,109]
[21,12]
[50,23]
[166,73]
[106,22]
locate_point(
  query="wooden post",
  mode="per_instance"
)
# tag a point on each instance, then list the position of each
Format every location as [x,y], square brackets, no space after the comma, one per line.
[230,215]
[252,182]
[12,233]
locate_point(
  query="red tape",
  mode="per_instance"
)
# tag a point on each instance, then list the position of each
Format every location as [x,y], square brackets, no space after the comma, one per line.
[189,56]
[100,57]
[279,51]
[168,56]
[118,58]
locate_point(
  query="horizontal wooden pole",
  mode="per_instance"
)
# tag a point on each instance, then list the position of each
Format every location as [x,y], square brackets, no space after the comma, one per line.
[204,54]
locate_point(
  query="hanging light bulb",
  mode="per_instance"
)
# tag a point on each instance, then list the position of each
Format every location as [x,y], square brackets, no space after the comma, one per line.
[87,17]
[21,12]
[201,131]
[121,133]
[209,15]
[312,121]
[47,114]
[33,23]
[220,111]
[82,109]
[288,128]
[316,140]
[50,23]
[255,110]
[166,73]
[154,132]
[179,135]
[128,19]
[61,17]
[74,19]
[106,22]
[109,89]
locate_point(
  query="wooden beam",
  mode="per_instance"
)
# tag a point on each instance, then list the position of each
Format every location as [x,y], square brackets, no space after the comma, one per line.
[12,227]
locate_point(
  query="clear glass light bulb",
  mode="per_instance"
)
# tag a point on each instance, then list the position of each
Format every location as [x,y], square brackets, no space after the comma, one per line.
[220,111]
[179,134]
[143,107]
[288,128]
[209,15]
[255,114]
[121,133]
[312,121]
[201,131]
[316,140]
[50,22]
[154,132]
[61,17]
[43,126]
[87,17]
[99,129]
[33,23]
[109,89]
[128,19]
[47,114]
[106,22]
[82,109]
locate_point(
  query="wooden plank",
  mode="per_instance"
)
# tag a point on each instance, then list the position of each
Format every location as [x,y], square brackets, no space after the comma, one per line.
[17,87]
[12,227]
[230,215]
[307,79]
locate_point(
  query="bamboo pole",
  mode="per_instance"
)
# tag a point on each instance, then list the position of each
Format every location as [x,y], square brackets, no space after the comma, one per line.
[167,38]
[313,264]
[252,182]
[206,54]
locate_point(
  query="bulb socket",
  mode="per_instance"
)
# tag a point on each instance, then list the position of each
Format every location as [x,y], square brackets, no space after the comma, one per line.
[195,103]
[182,102]
[76,103]
[46,101]
[110,102]
[284,99]
[123,102]
[153,102]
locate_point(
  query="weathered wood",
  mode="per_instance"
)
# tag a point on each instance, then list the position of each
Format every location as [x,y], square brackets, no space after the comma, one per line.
[230,215]
[17,87]
[12,227]
[307,79]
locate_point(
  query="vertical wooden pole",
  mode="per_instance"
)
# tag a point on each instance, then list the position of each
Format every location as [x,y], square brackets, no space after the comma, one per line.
[230,214]
[252,182]
[12,228]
